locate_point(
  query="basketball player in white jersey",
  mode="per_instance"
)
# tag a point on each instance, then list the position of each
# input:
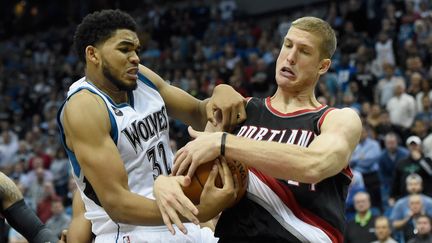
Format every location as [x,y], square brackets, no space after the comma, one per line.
[114,126]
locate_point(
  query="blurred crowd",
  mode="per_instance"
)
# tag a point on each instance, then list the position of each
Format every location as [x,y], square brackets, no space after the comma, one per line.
[382,68]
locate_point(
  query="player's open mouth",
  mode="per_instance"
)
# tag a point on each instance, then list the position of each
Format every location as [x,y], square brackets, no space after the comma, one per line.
[287,73]
[132,73]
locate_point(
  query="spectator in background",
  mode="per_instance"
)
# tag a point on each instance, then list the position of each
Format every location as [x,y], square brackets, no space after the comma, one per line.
[365,81]
[391,153]
[385,87]
[383,230]
[385,126]
[373,116]
[426,113]
[59,219]
[401,108]
[419,129]
[44,205]
[357,185]
[384,49]
[35,182]
[414,64]
[67,200]
[8,149]
[423,229]
[361,228]
[260,81]
[415,80]
[414,184]
[24,153]
[407,223]
[60,170]
[425,91]
[414,163]
[365,159]
[39,154]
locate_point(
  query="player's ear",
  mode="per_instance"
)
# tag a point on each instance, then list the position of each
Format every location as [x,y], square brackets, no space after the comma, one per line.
[92,54]
[324,66]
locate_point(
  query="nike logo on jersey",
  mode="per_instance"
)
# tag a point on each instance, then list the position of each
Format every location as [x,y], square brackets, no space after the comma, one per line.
[142,130]
[117,111]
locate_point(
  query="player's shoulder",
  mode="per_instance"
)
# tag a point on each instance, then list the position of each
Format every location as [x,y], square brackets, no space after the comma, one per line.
[343,118]
[85,108]
[343,114]
[84,100]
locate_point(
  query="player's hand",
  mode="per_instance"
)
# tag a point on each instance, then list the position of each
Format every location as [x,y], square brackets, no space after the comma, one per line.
[171,200]
[204,148]
[230,103]
[220,197]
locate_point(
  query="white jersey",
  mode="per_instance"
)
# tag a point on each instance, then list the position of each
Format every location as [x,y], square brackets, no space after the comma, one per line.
[140,129]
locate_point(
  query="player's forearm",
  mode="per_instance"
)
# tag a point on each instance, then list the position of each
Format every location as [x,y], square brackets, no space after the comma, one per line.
[207,212]
[9,192]
[130,208]
[274,159]
[286,161]
[201,115]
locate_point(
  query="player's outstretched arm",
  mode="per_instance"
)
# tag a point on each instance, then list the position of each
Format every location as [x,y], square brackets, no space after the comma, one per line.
[87,129]
[327,155]
[194,112]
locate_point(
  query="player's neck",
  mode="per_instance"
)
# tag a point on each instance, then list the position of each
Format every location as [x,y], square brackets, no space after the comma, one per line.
[286,102]
[118,96]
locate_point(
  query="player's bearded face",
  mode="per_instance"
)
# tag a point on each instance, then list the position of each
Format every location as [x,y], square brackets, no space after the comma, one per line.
[108,72]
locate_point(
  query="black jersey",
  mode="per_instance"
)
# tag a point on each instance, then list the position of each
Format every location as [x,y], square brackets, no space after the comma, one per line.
[276,210]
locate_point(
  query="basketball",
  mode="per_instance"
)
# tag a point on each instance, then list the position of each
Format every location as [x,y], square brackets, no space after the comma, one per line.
[238,169]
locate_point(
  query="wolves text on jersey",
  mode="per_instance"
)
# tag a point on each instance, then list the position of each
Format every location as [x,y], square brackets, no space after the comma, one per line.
[146,128]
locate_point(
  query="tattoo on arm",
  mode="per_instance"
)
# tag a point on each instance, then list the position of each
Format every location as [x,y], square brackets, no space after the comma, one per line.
[9,192]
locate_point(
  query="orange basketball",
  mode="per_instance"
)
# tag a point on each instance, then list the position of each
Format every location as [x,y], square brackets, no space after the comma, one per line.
[238,169]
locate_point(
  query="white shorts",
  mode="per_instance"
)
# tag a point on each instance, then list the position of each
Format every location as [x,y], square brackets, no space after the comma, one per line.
[195,235]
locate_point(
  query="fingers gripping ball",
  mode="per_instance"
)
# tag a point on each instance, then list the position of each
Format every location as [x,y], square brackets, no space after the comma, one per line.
[194,190]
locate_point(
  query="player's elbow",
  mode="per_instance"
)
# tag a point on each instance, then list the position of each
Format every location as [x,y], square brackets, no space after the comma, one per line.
[318,168]
[312,175]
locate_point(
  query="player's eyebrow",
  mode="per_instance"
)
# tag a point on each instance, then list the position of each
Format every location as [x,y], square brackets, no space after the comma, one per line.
[286,39]
[128,43]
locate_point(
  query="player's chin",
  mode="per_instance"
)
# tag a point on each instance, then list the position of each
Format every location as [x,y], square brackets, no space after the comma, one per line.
[285,82]
[129,84]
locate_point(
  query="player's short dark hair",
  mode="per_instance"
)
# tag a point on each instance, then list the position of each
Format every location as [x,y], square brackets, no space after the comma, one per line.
[99,26]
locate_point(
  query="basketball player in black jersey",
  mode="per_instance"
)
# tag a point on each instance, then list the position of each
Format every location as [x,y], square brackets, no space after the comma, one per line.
[297,150]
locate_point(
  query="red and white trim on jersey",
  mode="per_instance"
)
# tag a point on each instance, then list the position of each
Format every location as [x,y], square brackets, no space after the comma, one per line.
[347,172]
[279,198]
[291,114]
[321,120]
[248,99]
